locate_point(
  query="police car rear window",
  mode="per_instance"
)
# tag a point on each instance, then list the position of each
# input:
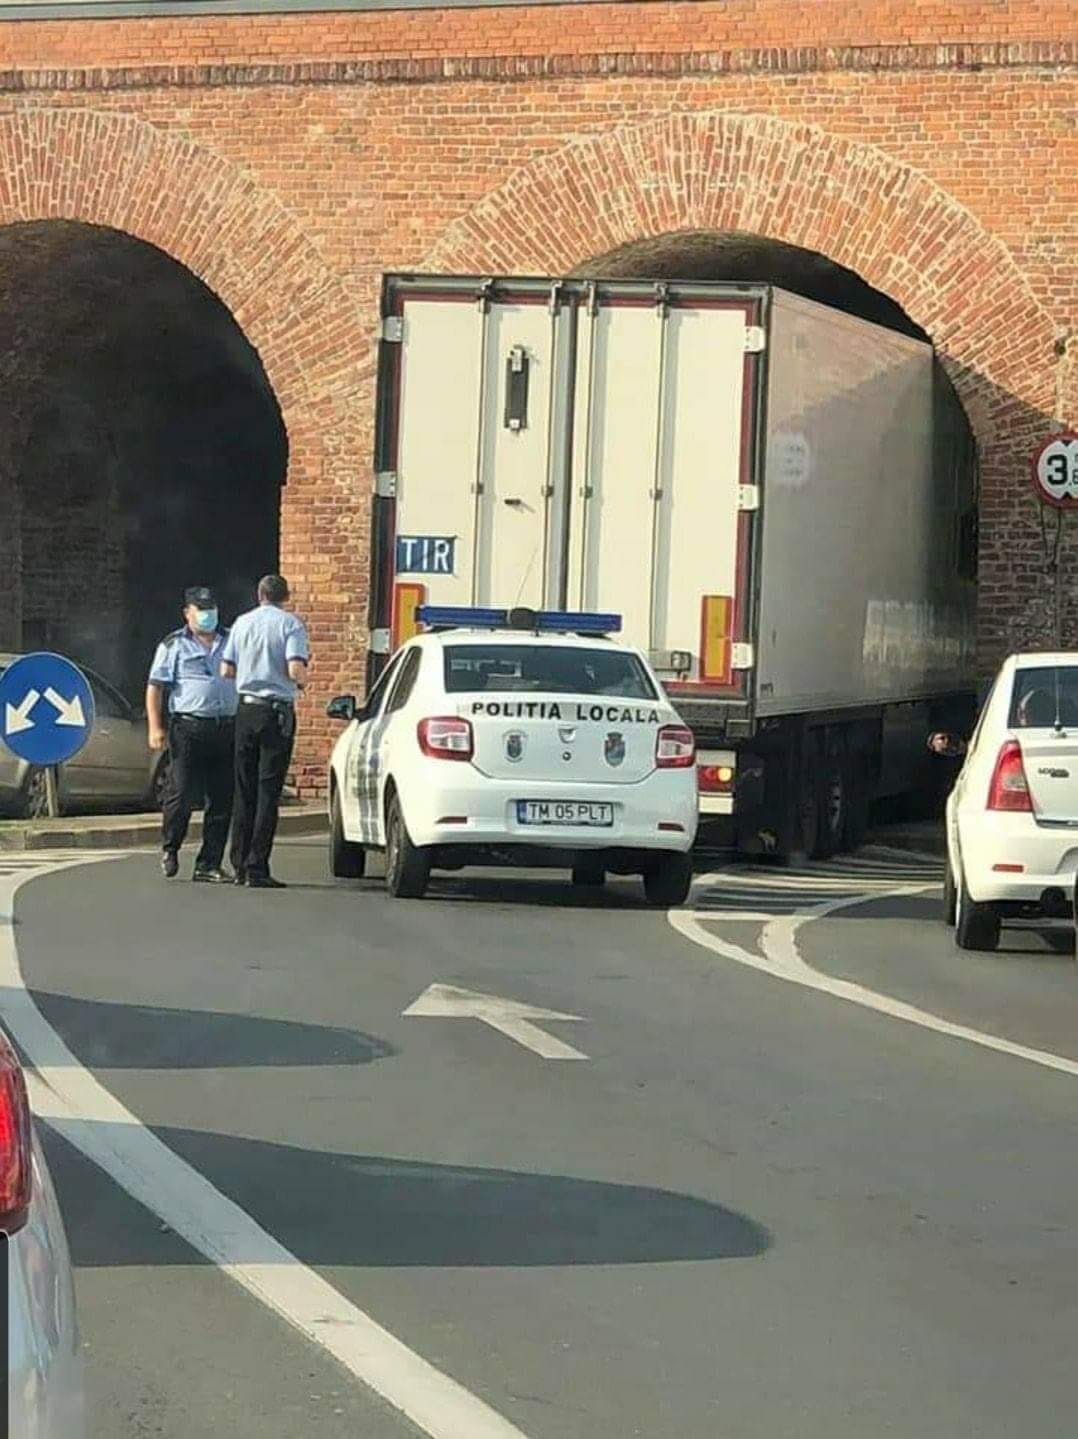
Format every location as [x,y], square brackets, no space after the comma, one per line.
[545,669]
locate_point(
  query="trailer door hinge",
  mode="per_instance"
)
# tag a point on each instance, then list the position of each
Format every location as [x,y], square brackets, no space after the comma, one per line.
[385,484]
[393,329]
[742,656]
[748,497]
[379,642]
[755,339]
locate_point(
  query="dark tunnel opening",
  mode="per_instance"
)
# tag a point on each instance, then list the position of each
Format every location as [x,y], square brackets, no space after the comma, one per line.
[745,259]
[144,450]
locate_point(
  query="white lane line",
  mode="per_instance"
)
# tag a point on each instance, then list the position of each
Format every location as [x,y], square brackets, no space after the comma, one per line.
[72,1101]
[782,959]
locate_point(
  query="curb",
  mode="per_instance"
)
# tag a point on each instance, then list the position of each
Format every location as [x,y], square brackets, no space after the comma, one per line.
[139,831]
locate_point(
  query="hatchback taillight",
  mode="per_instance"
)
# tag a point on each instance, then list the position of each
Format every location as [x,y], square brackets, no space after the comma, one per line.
[1009,790]
[16,1163]
[675,747]
[448,738]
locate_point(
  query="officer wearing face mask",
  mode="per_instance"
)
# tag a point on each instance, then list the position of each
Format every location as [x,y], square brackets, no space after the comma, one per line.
[192,708]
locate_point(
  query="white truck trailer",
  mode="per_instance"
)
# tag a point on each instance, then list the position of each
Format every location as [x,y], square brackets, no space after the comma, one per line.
[777,497]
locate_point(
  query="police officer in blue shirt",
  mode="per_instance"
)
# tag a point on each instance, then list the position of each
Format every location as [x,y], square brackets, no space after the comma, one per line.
[201,708]
[267,654]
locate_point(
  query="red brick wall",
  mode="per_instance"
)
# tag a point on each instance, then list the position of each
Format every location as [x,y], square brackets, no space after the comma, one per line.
[291,160]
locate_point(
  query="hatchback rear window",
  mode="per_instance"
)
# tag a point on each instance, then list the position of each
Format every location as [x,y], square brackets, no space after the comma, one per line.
[1043,696]
[545,669]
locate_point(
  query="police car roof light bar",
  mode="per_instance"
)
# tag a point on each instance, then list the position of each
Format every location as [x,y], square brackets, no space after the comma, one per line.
[536,621]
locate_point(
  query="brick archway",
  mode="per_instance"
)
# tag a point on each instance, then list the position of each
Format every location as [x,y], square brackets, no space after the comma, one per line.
[117,171]
[900,232]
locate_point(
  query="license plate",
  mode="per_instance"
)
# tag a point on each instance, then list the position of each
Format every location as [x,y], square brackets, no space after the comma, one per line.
[565,812]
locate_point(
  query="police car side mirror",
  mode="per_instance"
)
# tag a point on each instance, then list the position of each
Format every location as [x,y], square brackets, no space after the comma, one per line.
[342,707]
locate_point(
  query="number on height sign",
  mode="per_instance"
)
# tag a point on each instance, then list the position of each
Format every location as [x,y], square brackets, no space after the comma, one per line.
[1055,471]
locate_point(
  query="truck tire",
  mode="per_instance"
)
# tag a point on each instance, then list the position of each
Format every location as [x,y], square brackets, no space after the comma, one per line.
[588,875]
[831,810]
[977,926]
[407,866]
[347,860]
[668,880]
[857,806]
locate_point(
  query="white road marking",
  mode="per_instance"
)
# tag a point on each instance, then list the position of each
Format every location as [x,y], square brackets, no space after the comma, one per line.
[781,958]
[74,1103]
[507,1016]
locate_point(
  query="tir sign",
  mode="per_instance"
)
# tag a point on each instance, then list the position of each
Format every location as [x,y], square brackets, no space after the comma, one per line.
[426,554]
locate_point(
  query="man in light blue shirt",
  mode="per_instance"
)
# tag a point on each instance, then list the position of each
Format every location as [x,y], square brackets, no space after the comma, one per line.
[191,708]
[267,654]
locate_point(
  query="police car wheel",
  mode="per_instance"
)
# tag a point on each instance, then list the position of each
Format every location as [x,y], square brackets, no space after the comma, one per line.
[587,875]
[407,866]
[347,860]
[668,881]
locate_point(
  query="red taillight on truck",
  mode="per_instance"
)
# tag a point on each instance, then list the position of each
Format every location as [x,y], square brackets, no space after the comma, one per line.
[16,1162]
[675,748]
[1009,790]
[715,778]
[447,738]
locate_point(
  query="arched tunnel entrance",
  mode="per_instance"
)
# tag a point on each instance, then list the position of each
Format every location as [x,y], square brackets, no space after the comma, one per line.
[142,449]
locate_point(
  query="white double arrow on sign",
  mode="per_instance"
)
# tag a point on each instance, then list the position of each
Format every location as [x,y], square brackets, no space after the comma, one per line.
[68,712]
[507,1016]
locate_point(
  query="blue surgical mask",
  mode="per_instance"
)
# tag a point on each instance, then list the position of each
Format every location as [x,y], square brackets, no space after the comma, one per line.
[206,621]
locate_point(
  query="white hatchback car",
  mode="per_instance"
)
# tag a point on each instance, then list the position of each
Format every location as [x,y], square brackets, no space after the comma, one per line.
[522,739]
[1012,817]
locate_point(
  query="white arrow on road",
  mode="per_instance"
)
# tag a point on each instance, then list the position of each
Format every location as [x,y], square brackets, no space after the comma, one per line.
[17,717]
[507,1016]
[69,712]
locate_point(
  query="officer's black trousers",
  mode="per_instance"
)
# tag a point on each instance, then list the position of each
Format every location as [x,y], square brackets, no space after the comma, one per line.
[264,739]
[200,772]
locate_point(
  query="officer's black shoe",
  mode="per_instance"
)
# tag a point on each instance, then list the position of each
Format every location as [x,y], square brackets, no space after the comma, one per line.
[169,864]
[212,875]
[240,877]
[264,881]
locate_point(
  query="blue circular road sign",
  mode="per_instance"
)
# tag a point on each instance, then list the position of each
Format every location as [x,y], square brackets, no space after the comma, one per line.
[46,709]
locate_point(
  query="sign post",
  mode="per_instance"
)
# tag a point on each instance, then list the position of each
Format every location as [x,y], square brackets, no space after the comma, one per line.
[46,715]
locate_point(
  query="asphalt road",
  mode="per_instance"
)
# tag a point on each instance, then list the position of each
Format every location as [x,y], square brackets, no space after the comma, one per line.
[753,1210]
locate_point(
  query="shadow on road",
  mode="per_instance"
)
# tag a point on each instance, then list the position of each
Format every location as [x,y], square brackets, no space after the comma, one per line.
[363,1211]
[137,1036]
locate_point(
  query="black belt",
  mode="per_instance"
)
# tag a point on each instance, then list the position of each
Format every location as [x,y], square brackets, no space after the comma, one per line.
[205,719]
[272,702]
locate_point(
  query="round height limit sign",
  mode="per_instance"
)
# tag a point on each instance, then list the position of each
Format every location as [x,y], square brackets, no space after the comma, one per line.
[1055,471]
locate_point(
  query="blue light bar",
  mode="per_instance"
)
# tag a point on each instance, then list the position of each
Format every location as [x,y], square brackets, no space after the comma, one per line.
[549,621]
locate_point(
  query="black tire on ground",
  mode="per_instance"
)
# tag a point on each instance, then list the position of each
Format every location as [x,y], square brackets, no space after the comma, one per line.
[34,801]
[588,875]
[407,866]
[831,809]
[977,926]
[1061,940]
[950,897]
[347,860]
[804,816]
[668,879]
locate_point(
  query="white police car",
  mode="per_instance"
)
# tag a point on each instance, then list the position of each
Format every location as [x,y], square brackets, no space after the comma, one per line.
[517,738]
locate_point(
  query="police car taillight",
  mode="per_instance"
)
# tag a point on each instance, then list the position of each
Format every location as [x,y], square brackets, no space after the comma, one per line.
[16,1162]
[448,738]
[675,748]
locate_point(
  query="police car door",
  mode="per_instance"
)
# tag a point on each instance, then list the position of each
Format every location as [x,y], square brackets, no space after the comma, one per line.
[383,736]
[357,807]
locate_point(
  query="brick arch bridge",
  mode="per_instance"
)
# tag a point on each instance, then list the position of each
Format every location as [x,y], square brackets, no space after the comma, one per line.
[725,173]
[115,170]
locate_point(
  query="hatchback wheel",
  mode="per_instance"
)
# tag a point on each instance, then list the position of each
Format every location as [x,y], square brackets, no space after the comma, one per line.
[407,866]
[668,881]
[977,926]
[950,896]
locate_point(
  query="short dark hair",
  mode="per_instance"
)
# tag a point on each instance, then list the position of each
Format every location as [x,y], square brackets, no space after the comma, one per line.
[273,588]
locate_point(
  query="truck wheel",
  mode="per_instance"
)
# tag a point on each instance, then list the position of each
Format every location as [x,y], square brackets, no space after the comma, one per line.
[857,807]
[976,925]
[588,875]
[668,880]
[805,826]
[950,897]
[347,860]
[407,866]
